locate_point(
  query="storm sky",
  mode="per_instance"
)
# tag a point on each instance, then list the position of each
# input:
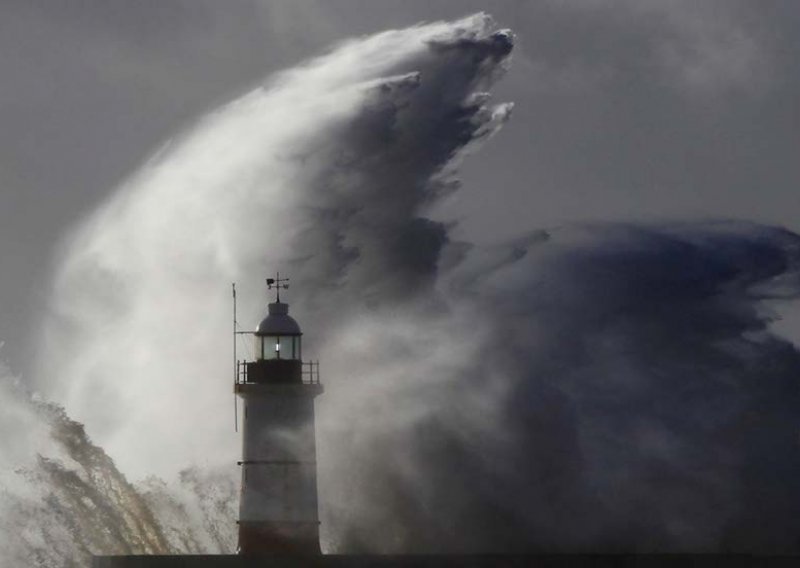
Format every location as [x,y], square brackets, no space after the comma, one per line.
[624,110]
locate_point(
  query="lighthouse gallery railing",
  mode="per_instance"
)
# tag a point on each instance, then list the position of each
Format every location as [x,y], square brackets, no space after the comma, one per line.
[309,372]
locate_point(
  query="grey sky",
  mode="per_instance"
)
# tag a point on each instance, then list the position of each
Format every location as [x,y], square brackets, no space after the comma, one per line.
[642,110]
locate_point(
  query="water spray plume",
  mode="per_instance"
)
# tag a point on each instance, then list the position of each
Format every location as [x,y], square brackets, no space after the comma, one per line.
[326,170]
[605,387]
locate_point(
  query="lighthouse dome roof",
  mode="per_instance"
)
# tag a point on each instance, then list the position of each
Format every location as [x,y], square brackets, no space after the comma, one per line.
[278,321]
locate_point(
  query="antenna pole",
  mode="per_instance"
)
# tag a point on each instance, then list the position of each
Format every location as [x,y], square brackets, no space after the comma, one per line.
[235,364]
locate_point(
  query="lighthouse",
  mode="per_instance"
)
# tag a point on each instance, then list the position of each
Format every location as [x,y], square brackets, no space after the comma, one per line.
[278,506]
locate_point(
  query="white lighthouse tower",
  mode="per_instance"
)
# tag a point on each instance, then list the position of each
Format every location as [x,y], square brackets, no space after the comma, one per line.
[278,507]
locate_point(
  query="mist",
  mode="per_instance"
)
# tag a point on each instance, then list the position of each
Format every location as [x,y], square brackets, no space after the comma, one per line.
[607,387]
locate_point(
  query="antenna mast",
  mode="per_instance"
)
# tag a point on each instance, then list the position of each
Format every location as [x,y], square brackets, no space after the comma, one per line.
[235,365]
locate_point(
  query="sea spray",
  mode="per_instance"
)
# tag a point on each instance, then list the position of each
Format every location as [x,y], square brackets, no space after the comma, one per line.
[324,172]
[612,387]
[327,169]
[64,500]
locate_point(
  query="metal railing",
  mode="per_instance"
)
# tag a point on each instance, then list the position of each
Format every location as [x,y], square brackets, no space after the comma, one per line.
[241,372]
[309,372]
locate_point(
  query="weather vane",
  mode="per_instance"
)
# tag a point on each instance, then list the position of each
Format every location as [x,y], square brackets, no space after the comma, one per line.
[277,283]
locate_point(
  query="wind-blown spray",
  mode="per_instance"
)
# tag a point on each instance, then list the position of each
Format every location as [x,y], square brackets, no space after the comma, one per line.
[606,387]
[325,171]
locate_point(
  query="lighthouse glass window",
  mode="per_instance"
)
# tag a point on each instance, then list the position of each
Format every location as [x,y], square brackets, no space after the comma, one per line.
[281,347]
[285,348]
